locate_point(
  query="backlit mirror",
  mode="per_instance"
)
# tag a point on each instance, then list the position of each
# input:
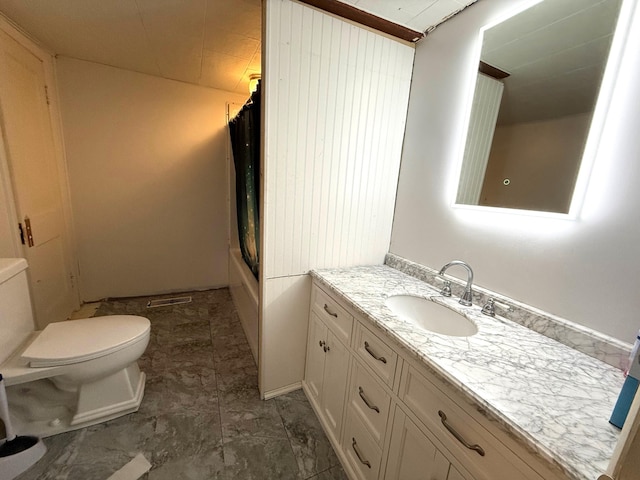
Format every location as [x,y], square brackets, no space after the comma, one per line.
[536,91]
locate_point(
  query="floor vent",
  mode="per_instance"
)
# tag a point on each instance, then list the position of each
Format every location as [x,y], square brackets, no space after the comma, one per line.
[167,302]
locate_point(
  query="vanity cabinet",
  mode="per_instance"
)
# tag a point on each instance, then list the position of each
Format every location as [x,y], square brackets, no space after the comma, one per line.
[389,418]
[413,456]
[327,364]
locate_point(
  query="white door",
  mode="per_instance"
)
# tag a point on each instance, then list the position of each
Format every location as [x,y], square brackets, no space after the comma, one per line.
[36,180]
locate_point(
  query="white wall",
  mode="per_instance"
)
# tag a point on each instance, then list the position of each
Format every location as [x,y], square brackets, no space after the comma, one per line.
[585,270]
[543,173]
[335,99]
[146,160]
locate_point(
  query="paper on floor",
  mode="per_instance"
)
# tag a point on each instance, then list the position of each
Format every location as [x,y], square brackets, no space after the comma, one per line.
[132,470]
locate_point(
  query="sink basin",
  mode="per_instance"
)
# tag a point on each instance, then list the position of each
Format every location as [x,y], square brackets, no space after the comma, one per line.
[431,316]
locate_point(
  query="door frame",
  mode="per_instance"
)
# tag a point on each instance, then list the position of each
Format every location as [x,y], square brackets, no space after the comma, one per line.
[6,188]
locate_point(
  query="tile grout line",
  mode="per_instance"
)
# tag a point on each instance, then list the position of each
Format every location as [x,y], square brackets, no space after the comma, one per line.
[218,402]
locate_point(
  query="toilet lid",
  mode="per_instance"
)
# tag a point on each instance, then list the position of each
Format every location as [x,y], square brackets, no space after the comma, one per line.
[73,341]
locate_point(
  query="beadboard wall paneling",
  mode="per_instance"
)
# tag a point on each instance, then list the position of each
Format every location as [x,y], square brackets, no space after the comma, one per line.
[284,341]
[482,125]
[335,104]
[336,99]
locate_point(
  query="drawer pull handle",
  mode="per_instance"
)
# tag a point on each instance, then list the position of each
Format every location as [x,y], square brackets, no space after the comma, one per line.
[322,343]
[326,348]
[460,438]
[326,309]
[368,349]
[355,449]
[366,400]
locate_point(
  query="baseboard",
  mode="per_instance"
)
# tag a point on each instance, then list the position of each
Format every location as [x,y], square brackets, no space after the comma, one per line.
[282,390]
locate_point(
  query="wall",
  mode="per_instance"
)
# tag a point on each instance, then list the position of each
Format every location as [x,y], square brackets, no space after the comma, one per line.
[543,173]
[148,181]
[584,270]
[335,99]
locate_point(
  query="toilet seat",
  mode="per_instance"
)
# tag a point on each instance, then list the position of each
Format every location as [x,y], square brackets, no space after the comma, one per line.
[74,341]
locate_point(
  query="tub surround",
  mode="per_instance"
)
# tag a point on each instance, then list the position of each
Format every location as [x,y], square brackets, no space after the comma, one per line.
[554,399]
[595,344]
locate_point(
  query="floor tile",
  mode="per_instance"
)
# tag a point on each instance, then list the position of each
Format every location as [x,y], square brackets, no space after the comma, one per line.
[257,458]
[309,443]
[333,473]
[201,416]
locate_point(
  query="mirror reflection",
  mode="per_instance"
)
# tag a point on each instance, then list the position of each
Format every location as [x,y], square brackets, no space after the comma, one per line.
[538,82]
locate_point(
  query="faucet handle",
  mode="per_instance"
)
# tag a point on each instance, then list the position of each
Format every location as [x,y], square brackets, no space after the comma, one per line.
[446,289]
[489,308]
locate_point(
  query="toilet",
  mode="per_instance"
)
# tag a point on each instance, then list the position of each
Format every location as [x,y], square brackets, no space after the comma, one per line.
[72,374]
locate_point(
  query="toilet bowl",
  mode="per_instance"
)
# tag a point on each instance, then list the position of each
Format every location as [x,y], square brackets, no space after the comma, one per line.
[72,374]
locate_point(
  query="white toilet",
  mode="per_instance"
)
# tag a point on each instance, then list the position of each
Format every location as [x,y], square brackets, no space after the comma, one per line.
[71,374]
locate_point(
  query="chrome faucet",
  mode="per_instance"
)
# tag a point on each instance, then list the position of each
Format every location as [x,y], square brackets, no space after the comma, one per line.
[467,297]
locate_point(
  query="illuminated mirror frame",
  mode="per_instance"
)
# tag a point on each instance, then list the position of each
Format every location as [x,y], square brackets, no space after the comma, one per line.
[614,60]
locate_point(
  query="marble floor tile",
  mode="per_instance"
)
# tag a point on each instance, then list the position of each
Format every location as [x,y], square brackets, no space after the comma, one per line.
[180,391]
[201,416]
[333,473]
[206,464]
[309,443]
[185,435]
[258,458]
[185,333]
[242,413]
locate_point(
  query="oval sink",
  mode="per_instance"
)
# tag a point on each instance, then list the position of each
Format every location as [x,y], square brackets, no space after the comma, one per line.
[431,316]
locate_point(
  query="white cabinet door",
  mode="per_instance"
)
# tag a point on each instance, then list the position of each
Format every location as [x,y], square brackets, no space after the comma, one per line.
[326,373]
[454,474]
[314,368]
[412,456]
[334,382]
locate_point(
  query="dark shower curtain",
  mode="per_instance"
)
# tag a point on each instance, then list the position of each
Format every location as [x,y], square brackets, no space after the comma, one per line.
[245,143]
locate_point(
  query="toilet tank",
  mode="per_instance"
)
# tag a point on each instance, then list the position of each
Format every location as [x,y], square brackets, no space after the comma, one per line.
[16,316]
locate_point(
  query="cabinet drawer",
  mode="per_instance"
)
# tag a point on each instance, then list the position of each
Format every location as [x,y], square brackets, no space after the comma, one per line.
[376,354]
[360,449]
[369,401]
[339,321]
[442,417]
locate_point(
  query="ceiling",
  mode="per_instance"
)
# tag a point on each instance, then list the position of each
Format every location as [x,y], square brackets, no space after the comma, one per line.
[419,15]
[213,43]
[555,53]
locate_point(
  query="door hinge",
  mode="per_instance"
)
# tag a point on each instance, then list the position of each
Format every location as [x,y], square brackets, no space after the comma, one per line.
[46,94]
[27,224]
[21,233]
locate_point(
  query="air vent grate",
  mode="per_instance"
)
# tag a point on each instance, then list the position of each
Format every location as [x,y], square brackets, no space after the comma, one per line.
[167,302]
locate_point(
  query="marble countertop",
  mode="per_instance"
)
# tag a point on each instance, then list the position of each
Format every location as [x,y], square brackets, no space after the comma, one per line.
[555,399]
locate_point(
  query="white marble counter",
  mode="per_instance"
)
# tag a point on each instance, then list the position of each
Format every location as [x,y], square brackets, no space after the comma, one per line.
[555,399]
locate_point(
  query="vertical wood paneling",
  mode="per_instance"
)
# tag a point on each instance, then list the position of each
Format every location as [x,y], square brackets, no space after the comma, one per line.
[335,105]
[482,125]
[283,343]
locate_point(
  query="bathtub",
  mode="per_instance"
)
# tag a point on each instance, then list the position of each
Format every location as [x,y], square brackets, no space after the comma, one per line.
[244,292]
